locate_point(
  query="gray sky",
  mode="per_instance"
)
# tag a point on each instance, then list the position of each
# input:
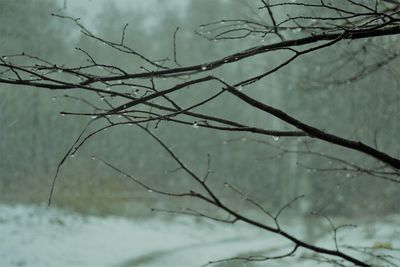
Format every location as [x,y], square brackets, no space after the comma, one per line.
[88,10]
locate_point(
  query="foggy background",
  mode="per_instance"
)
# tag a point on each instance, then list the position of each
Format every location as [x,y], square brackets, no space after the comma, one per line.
[34,137]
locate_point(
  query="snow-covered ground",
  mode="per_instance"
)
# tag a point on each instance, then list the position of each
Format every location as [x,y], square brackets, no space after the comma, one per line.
[41,236]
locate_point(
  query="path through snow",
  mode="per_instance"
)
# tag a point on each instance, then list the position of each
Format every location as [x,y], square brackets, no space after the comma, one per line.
[41,236]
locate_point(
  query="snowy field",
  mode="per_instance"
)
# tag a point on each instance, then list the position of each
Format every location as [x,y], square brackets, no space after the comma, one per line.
[41,236]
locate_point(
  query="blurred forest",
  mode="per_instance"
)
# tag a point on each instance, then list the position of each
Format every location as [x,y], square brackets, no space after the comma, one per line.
[329,89]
